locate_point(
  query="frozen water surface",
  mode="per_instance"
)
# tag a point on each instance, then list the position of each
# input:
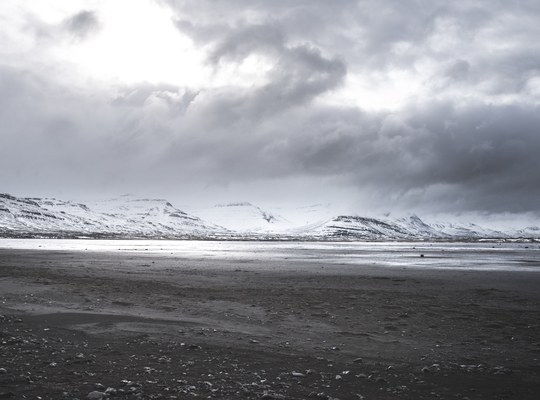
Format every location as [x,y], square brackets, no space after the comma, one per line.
[437,255]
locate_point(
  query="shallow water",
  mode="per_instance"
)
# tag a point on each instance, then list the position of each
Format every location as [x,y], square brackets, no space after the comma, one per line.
[464,256]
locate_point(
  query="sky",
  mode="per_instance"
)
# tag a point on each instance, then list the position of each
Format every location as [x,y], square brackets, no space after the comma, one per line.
[376,105]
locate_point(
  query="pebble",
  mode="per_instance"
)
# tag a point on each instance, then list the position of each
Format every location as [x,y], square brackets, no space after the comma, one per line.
[95,395]
[432,368]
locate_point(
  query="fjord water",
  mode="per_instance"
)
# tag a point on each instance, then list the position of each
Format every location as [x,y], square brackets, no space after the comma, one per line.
[418,255]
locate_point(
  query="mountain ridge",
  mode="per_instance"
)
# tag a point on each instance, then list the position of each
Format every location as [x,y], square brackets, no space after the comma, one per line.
[122,218]
[131,217]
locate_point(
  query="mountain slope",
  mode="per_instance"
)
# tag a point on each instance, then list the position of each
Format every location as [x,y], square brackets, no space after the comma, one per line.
[355,227]
[123,217]
[412,228]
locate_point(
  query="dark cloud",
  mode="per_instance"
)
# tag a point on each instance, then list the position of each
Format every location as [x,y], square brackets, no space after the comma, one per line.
[78,26]
[493,37]
[82,24]
[480,157]
[299,72]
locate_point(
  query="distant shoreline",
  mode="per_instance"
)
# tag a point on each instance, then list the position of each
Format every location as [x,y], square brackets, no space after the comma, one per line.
[265,238]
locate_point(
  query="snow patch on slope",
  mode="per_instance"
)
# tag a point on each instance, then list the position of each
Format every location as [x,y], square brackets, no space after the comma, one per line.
[245,217]
[116,217]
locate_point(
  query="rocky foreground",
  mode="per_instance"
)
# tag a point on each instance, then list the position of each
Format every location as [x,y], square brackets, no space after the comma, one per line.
[78,325]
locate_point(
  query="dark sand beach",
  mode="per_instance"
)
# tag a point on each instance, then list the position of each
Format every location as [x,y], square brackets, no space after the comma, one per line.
[152,327]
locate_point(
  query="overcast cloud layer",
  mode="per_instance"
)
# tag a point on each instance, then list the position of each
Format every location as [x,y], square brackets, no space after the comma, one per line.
[399,105]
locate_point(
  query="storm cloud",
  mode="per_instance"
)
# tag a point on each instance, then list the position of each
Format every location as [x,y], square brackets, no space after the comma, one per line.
[82,23]
[400,104]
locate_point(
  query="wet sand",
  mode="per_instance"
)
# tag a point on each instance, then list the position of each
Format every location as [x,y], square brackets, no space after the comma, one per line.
[148,326]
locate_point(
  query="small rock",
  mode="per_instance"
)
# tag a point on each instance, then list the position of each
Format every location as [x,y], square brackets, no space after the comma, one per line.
[298,374]
[501,371]
[432,368]
[3,371]
[358,361]
[95,395]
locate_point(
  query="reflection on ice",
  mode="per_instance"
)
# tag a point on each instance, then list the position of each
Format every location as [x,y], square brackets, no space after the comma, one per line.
[467,256]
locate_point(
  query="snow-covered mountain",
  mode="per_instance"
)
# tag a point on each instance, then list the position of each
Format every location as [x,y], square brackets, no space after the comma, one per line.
[355,227]
[122,217]
[410,228]
[129,217]
[246,218]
